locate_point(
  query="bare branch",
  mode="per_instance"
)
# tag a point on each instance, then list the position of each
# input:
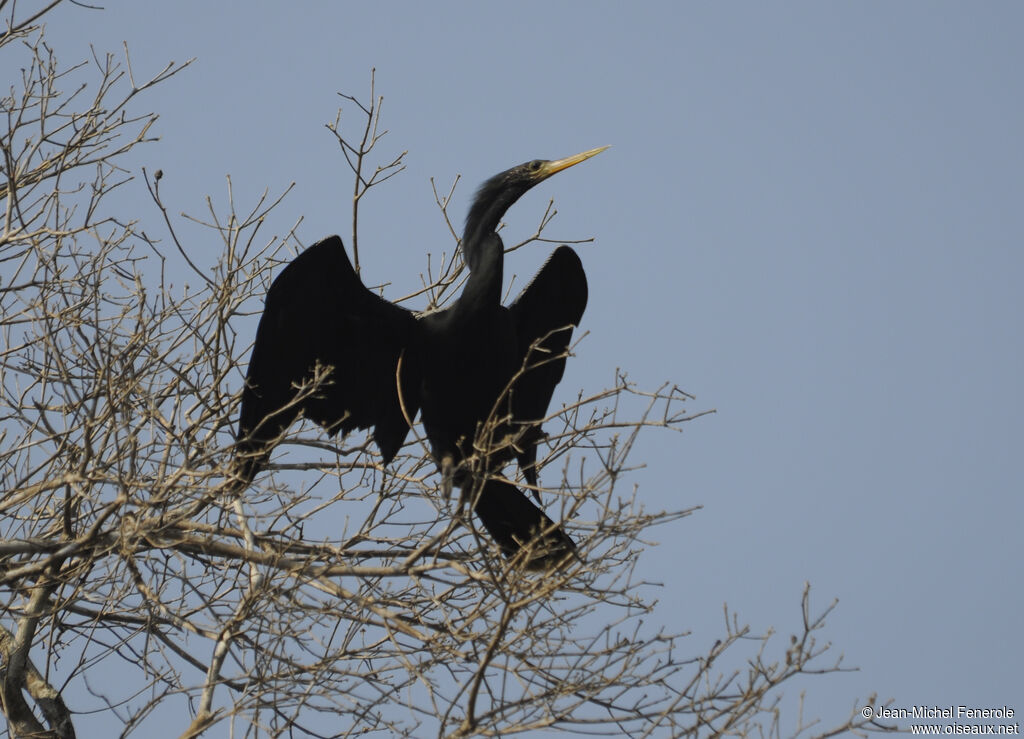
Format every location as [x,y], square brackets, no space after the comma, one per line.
[334,592]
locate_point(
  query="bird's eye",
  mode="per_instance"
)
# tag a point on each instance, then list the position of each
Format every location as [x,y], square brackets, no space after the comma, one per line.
[535,165]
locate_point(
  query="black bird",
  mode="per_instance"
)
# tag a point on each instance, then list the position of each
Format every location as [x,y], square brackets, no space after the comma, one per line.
[482,374]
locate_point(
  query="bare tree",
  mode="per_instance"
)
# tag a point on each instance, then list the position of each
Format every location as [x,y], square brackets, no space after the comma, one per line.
[126,551]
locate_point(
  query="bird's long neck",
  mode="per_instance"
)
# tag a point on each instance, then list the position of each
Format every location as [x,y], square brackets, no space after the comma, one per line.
[483,288]
[492,200]
[481,246]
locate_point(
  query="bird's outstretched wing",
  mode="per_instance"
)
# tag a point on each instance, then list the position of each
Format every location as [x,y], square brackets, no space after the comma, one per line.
[544,315]
[319,313]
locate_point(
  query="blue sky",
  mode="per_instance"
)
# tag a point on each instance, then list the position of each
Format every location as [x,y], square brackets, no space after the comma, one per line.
[810,218]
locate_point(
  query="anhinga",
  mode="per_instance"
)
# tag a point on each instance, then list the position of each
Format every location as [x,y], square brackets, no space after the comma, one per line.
[472,369]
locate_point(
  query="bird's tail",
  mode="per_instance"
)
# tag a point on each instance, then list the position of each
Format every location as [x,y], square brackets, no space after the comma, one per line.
[521,529]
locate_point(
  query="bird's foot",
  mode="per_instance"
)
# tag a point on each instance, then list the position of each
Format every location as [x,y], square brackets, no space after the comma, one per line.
[447,476]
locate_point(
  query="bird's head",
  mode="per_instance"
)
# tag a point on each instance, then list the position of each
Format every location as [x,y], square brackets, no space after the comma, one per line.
[526,175]
[497,194]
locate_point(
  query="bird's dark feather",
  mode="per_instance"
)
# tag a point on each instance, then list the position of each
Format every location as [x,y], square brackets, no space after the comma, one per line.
[544,315]
[464,367]
[318,312]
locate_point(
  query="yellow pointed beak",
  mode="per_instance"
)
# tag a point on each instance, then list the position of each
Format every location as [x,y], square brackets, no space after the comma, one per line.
[558,165]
